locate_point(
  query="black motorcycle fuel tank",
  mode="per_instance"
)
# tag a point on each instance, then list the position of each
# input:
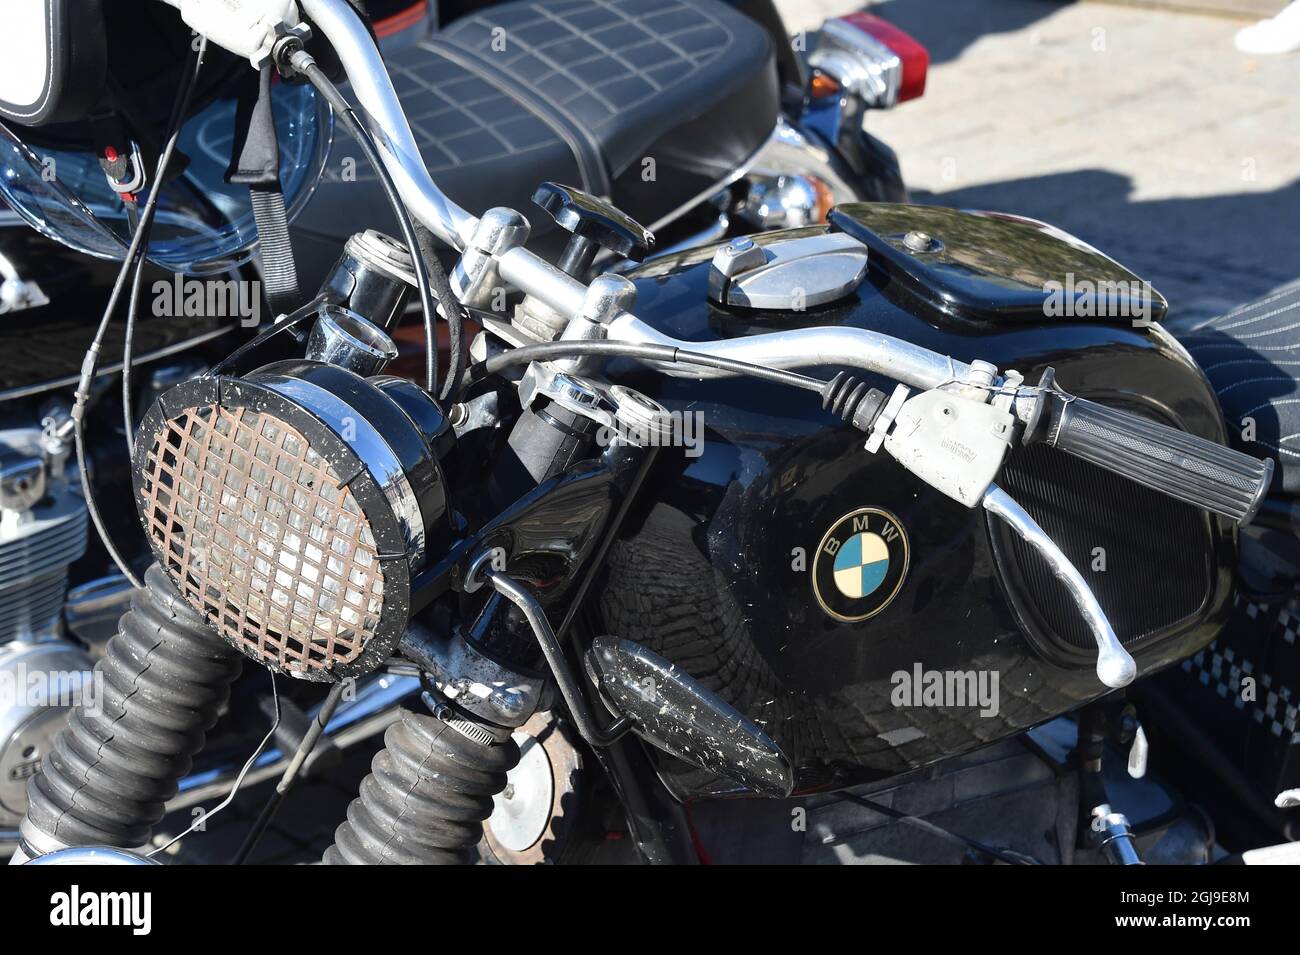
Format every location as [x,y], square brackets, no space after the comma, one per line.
[868,623]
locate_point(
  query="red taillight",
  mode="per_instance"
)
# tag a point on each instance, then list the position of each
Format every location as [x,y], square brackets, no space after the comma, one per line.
[915,58]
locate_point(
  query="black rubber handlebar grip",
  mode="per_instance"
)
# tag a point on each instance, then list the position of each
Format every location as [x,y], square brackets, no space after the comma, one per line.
[1164,459]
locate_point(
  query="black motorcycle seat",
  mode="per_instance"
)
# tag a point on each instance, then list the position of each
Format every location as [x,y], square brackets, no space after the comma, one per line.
[599,94]
[1252,357]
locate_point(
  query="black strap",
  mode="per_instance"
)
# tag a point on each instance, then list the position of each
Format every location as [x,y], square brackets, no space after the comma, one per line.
[255,162]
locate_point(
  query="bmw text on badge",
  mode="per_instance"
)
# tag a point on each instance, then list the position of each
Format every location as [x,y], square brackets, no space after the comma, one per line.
[860,564]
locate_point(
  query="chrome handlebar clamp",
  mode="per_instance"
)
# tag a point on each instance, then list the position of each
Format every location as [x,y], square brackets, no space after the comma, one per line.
[476,277]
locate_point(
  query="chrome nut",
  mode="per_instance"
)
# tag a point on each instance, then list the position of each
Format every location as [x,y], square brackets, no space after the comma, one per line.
[607,296]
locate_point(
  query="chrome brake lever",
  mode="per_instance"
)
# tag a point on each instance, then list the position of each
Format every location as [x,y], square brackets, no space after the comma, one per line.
[1115,667]
[957,445]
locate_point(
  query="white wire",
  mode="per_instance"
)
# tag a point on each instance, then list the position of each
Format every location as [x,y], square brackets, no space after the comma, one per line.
[202,818]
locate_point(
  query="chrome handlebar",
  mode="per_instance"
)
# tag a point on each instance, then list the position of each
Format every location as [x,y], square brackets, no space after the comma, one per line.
[800,348]
[828,346]
[386,118]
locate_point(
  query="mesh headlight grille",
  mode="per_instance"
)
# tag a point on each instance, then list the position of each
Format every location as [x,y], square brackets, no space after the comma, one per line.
[292,507]
[262,535]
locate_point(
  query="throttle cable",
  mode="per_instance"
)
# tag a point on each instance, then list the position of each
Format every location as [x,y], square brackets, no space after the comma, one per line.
[145,223]
[135,255]
[641,351]
[301,61]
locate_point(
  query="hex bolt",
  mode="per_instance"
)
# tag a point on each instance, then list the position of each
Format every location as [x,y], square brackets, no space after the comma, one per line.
[917,241]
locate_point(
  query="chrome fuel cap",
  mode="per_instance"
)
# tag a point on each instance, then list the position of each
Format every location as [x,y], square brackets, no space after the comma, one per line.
[787,274]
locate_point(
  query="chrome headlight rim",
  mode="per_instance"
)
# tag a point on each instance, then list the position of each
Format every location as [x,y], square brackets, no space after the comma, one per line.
[399,512]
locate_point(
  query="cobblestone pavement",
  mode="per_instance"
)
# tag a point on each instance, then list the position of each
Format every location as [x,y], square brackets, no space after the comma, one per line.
[1141,131]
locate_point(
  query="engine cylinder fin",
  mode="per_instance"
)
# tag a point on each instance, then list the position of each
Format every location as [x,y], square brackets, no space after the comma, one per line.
[35,555]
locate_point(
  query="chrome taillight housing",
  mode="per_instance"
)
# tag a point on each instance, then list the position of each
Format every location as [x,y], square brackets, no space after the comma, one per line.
[870,59]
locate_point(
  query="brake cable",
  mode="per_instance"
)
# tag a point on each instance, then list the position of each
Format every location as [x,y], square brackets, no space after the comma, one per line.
[455,312]
[135,255]
[200,821]
[299,61]
[145,223]
[642,351]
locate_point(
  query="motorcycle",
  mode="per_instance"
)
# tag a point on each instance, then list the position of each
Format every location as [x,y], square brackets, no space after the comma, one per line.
[780,141]
[850,517]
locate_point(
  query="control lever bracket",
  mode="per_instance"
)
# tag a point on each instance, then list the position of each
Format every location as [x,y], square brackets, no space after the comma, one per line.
[953,443]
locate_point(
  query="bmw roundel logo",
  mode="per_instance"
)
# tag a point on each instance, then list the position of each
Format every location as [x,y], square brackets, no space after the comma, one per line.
[860,564]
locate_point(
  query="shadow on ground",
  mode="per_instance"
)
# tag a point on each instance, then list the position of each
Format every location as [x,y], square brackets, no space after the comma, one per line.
[947,27]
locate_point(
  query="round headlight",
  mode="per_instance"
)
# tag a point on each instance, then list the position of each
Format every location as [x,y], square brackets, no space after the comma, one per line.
[291,507]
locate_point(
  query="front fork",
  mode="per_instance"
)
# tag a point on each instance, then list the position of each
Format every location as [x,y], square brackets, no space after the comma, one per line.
[106,781]
[429,790]
[167,676]
[432,786]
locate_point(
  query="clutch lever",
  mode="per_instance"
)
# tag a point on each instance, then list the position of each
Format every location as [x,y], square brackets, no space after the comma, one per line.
[957,444]
[1115,667]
